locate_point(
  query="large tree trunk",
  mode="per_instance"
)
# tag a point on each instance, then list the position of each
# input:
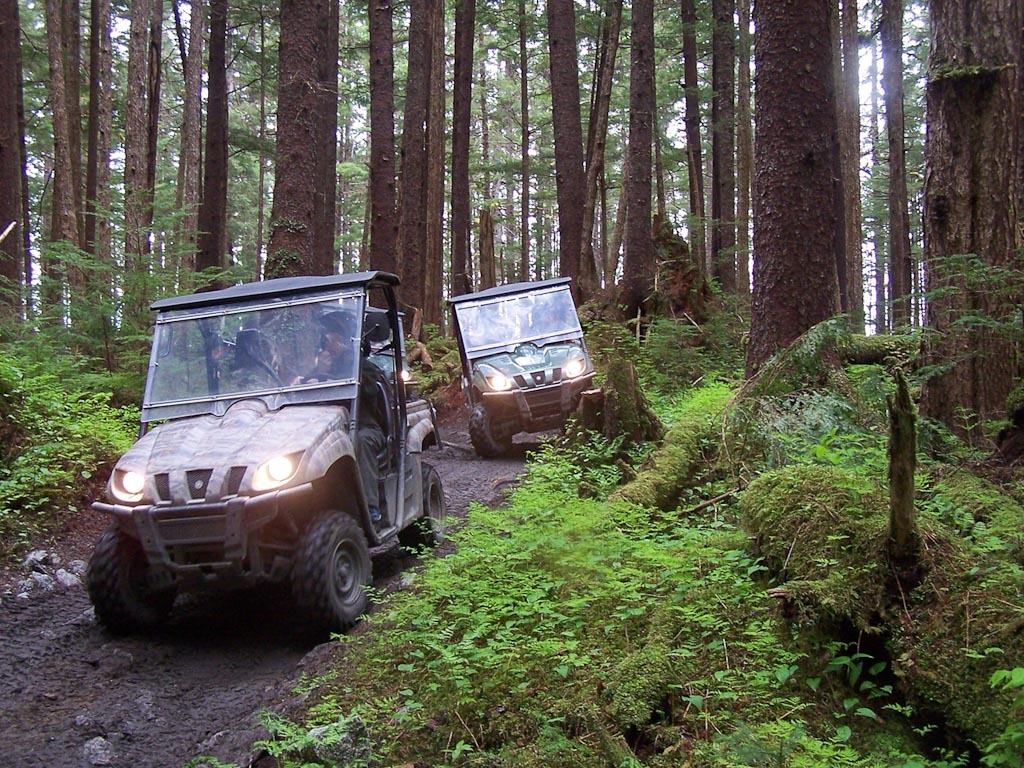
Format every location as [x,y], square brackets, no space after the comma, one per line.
[290,251]
[638,272]
[383,229]
[694,163]
[880,218]
[11,278]
[903,540]
[900,265]
[154,77]
[136,137]
[325,196]
[213,239]
[794,218]
[565,115]
[723,132]
[462,103]
[412,232]
[973,200]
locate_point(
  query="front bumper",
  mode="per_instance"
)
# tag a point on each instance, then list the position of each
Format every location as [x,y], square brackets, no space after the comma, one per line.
[538,408]
[207,538]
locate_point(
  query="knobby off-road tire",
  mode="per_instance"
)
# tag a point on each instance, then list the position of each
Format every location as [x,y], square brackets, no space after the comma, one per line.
[331,572]
[429,530]
[488,442]
[118,588]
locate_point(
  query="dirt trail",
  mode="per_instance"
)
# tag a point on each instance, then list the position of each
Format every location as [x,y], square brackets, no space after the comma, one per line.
[73,696]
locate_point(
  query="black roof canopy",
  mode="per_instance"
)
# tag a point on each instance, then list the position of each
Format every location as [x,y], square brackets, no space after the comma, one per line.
[503,290]
[276,288]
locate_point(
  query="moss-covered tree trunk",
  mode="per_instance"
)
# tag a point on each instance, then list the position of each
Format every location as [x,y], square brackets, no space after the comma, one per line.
[903,539]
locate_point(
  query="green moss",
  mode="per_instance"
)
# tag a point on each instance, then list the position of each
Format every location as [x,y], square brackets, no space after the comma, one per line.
[823,532]
[978,510]
[670,468]
[639,686]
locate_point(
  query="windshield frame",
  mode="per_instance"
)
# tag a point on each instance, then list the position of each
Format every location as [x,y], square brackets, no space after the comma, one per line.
[292,391]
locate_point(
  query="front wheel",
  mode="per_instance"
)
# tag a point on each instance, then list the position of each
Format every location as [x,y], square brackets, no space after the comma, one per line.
[489,440]
[119,587]
[428,530]
[331,572]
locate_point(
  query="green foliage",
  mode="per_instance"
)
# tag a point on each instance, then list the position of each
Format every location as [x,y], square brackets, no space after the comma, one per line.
[54,445]
[1008,747]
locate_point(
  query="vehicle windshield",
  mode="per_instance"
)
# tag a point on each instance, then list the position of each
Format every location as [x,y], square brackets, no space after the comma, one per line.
[517,318]
[225,353]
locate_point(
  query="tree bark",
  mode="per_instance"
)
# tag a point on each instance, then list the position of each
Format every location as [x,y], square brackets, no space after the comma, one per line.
[325,194]
[903,539]
[189,173]
[212,240]
[744,151]
[11,251]
[136,138]
[591,268]
[524,148]
[486,249]
[383,229]
[638,272]
[723,133]
[565,116]
[462,104]
[900,265]
[972,204]
[433,270]
[694,162]
[849,147]
[794,217]
[290,251]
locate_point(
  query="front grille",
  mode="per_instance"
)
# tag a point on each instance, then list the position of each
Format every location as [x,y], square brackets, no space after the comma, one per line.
[545,402]
[235,480]
[198,481]
[192,529]
[163,486]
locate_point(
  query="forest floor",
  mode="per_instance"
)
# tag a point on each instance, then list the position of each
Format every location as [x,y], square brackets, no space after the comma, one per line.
[74,696]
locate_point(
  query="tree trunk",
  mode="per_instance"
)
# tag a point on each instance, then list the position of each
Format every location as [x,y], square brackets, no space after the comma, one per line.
[136,139]
[486,249]
[433,267]
[565,116]
[880,219]
[290,251]
[325,195]
[972,203]
[903,540]
[900,265]
[11,278]
[849,147]
[524,149]
[744,152]
[638,273]
[412,232]
[212,239]
[462,104]
[383,230]
[154,73]
[187,194]
[71,56]
[794,218]
[591,268]
[694,163]
[723,166]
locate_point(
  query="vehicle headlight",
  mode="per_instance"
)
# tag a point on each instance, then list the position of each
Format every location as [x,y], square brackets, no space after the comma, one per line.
[498,381]
[405,375]
[127,485]
[276,472]
[574,368]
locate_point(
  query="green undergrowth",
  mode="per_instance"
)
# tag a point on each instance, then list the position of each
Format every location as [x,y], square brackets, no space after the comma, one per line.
[569,631]
[57,445]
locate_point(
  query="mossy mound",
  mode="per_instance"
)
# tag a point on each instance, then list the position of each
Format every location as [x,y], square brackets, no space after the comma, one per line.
[822,531]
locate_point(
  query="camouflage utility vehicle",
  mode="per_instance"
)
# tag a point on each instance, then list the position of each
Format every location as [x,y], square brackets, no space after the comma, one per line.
[247,469]
[524,361]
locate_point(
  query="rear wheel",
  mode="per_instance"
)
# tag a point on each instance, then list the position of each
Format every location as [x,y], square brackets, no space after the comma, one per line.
[427,531]
[489,440]
[119,588]
[331,572]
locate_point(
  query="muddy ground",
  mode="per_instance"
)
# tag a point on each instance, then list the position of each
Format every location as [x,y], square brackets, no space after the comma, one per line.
[73,696]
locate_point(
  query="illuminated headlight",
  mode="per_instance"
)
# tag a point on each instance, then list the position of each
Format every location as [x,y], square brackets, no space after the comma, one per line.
[498,381]
[127,485]
[574,368]
[405,375]
[276,472]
